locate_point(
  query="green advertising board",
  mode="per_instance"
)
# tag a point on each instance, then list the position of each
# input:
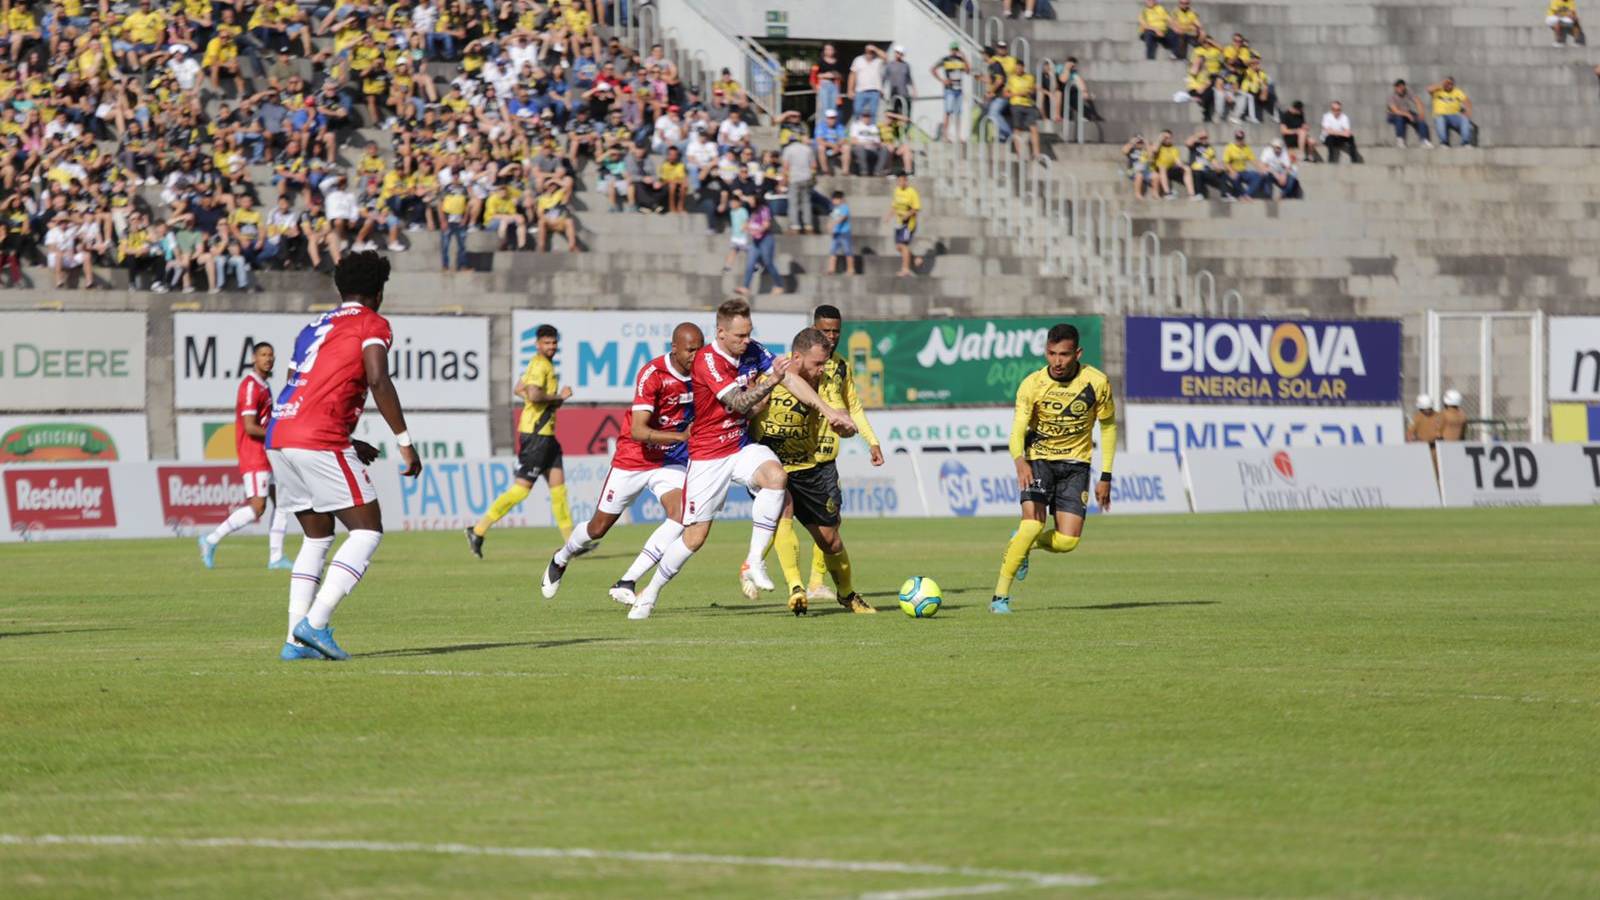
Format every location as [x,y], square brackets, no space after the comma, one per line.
[944,362]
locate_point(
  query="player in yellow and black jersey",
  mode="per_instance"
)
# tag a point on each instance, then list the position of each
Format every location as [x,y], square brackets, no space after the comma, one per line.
[538,453]
[794,431]
[1052,437]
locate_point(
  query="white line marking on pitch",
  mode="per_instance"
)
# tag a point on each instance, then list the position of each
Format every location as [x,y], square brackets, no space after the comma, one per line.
[1016,879]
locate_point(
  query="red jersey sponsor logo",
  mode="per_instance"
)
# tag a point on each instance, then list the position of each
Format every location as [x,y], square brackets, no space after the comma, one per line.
[60,498]
[203,495]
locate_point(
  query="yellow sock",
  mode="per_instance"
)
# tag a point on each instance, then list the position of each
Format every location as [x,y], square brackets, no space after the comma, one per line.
[787,543]
[1016,552]
[559,509]
[839,567]
[819,566]
[1054,541]
[502,504]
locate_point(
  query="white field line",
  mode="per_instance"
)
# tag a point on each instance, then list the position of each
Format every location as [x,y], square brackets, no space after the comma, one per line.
[925,893]
[1015,879]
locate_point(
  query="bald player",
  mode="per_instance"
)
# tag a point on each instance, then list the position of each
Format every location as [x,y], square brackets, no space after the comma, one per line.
[652,456]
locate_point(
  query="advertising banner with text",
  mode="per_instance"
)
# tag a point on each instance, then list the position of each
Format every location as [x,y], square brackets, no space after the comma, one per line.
[1395,476]
[1263,361]
[203,436]
[84,437]
[1575,358]
[1175,428]
[59,360]
[602,351]
[986,484]
[437,362]
[944,362]
[1519,474]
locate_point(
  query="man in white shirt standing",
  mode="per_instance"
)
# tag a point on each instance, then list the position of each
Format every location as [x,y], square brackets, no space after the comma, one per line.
[866,83]
[1336,134]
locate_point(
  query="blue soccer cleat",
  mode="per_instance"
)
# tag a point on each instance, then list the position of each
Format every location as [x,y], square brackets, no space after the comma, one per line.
[208,552]
[282,562]
[292,652]
[997,605]
[319,638]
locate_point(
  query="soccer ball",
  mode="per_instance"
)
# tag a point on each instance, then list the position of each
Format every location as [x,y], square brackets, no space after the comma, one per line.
[919,597]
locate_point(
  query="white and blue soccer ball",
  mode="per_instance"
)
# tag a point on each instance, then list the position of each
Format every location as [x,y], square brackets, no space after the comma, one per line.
[920,597]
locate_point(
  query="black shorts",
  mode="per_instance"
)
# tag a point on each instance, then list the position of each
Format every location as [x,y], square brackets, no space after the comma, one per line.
[816,496]
[1024,117]
[1061,485]
[536,456]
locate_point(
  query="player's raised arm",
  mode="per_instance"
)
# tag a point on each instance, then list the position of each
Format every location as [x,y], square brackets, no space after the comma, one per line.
[375,360]
[805,393]
[744,402]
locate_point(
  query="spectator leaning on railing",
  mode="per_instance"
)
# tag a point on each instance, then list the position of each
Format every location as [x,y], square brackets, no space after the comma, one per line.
[1405,111]
[1452,110]
[1001,65]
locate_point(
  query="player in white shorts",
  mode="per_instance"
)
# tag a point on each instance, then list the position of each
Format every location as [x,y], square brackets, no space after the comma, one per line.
[650,457]
[731,380]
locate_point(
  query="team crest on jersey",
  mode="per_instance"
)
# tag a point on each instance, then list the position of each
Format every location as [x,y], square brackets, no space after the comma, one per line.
[1078,407]
[833,506]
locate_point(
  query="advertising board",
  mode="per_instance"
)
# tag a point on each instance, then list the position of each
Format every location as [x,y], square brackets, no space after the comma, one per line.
[60,360]
[1575,358]
[1519,474]
[1177,428]
[986,484]
[203,436]
[437,362]
[74,438]
[1257,479]
[602,351]
[1263,361]
[945,362]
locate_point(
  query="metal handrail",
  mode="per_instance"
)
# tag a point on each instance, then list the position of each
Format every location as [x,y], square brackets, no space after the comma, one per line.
[1027,51]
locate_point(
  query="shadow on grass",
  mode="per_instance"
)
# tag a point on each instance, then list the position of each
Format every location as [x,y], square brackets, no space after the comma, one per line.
[469,648]
[960,589]
[17,634]
[1137,604]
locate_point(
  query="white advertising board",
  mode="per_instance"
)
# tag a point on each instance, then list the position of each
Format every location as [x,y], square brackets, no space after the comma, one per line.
[437,362]
[937,430]
[1176,428]
[1390,476]
[602,351]
[1519,474]
[79,438]
[1575,358]
[985,484]
[209,436]
[53,360]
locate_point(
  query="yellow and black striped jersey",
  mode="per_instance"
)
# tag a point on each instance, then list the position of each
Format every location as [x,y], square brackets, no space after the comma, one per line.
[790,428]
[838,390]
[1055,420]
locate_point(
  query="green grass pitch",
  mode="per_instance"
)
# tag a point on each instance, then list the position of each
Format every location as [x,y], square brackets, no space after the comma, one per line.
[1329,705]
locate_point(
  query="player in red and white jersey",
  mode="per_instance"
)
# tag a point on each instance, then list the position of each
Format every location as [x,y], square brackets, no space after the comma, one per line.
[252,408]
[650,456]
[320,471]
[731,379]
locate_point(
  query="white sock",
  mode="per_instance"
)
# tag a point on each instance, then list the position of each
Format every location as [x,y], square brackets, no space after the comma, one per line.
[659,541]
[577,545]
[304,579]
[280,524]
[764,513]
[239,518]
[344,573]
[676,554]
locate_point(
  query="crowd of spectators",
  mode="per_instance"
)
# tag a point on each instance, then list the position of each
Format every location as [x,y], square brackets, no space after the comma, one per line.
[143,135]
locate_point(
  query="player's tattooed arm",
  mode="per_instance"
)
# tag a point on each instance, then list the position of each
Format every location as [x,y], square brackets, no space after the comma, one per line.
[745,403]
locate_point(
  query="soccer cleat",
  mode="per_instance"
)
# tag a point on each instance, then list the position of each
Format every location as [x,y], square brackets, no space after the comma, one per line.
[753,580]
[797,601]
[292,652]
[821,594]
[475,543]
[622,592]
[997,605]
[208,552]
[320,639]
[282,562]
[853,602]
[551,582]
[642,609]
